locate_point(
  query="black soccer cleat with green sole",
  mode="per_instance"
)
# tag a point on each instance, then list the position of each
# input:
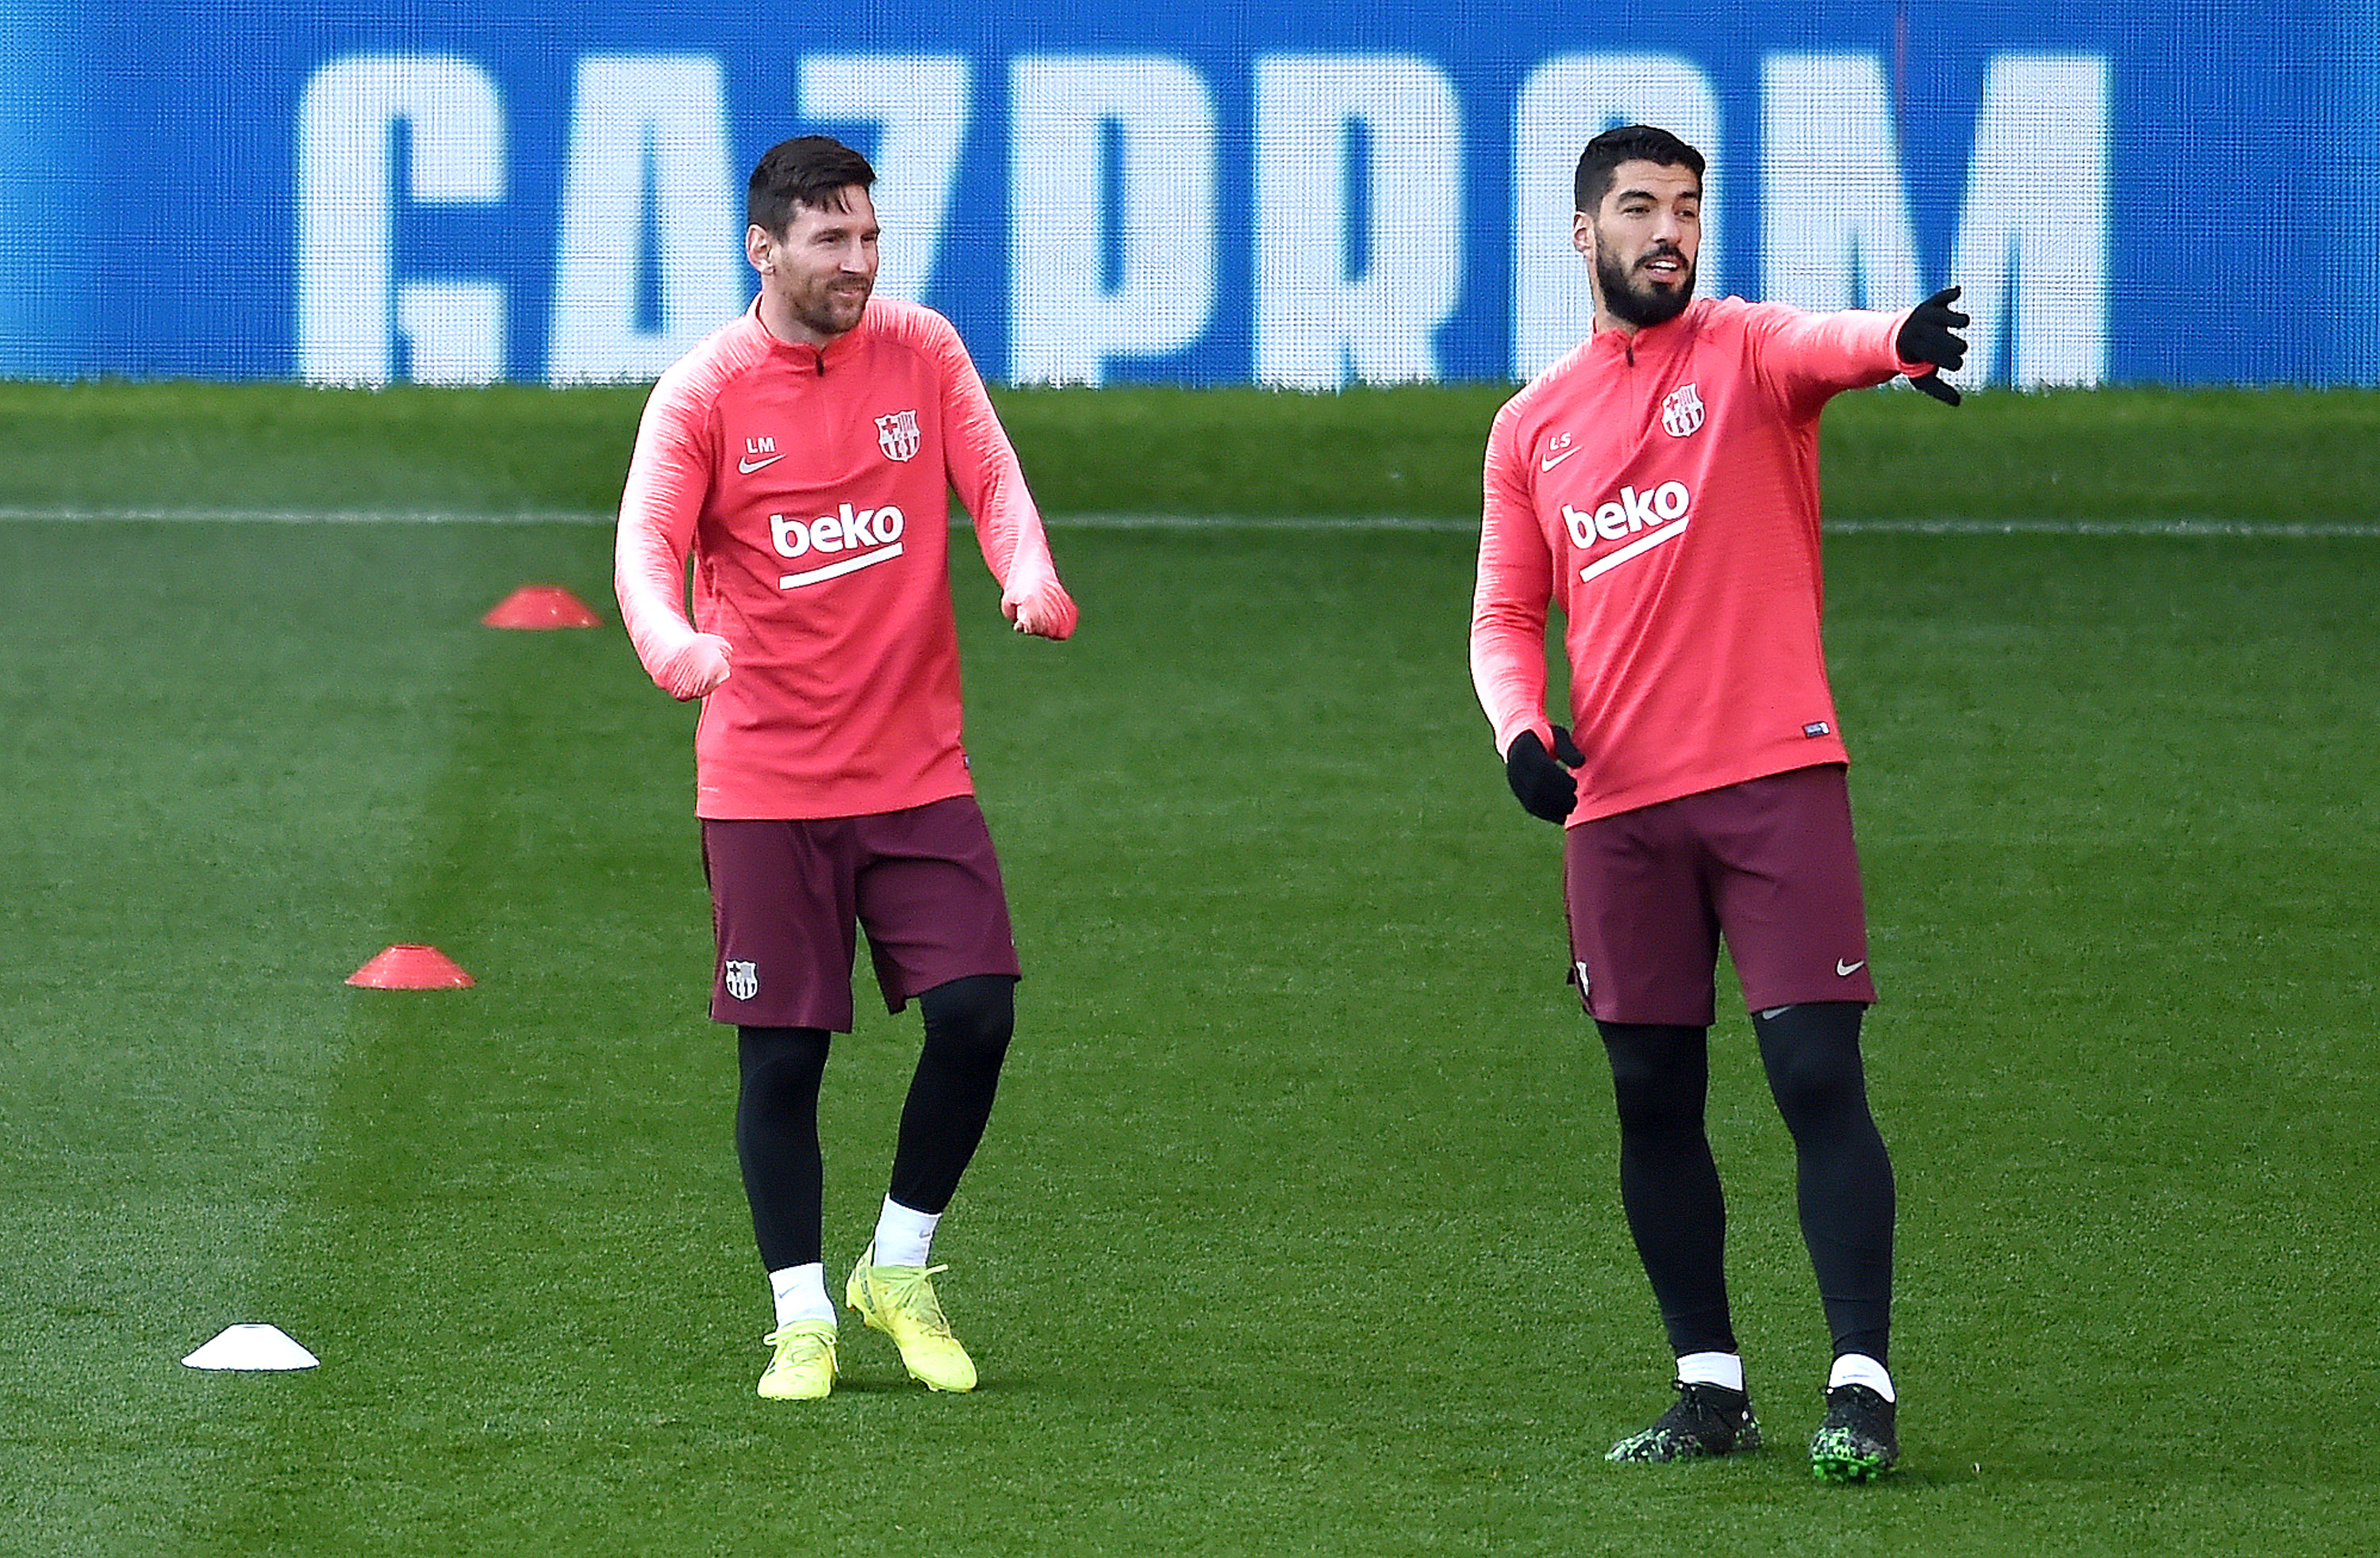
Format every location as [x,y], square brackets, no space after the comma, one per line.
[1856,1443]
[1705,1421]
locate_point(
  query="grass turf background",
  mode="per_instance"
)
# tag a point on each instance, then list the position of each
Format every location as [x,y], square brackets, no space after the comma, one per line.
[1414,450]
[1294,1232]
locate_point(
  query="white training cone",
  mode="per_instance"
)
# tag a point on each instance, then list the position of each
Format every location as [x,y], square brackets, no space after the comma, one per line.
[253,1346]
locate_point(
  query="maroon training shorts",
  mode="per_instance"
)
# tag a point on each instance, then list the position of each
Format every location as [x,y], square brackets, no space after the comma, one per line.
[1769,863]
[789,899]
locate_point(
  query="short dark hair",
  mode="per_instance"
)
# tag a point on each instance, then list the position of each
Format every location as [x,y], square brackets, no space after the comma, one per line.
[812,170]
[1627,144]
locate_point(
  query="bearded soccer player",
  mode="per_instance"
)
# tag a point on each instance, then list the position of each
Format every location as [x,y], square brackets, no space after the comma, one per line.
[1660,485]
[804,456]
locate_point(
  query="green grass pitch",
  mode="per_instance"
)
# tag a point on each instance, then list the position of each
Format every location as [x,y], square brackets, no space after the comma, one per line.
[1296,1231]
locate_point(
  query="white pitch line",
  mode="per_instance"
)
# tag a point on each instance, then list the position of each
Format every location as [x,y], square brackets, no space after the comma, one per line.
[298,516]
[2357,529]
[2280,529]
[2361,530]
[1259,522]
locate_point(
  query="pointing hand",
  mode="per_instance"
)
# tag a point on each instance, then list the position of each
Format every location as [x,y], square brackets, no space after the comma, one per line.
[1930,334]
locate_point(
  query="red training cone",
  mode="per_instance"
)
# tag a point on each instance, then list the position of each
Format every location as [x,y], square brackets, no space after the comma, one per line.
[541,605]
[406,967]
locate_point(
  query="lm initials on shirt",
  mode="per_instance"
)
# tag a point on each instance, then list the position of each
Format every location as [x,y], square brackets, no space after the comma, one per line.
[858,538]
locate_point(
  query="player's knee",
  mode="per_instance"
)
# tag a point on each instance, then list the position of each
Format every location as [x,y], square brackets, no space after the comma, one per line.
[975,1016]
[1816,1088]
[781,1064]
[1811,1056]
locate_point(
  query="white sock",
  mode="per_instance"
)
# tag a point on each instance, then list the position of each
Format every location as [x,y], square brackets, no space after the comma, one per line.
[1712,1369]
[1858,1369]
[800,1292]
[903,1237]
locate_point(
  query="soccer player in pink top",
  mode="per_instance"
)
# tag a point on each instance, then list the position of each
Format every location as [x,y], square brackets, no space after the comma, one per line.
[1660,485]
[804,456]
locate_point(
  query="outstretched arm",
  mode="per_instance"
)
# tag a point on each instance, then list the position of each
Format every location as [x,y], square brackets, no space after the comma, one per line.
[1808,359]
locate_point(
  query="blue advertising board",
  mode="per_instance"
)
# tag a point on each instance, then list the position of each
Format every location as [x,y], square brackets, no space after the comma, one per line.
[1301,194]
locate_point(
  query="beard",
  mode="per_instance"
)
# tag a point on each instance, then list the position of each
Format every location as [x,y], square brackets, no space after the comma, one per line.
[831,309]
[1644,304]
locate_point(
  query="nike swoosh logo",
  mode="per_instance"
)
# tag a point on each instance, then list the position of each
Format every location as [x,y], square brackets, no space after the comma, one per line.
[749,467]
[1553,461]
[1845,970]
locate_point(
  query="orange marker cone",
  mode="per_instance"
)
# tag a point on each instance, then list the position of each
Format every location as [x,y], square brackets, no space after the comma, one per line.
[541,605]
[409,966]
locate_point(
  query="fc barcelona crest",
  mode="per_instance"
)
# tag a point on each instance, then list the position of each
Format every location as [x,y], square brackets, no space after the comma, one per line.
[1682,412]
[898,436]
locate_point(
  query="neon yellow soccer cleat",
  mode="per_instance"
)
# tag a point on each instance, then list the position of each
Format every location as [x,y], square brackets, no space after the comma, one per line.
[803,1369]
[899,1301]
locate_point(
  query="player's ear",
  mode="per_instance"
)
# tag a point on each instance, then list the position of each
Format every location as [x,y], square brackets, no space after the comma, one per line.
[1581,234]
[759,250]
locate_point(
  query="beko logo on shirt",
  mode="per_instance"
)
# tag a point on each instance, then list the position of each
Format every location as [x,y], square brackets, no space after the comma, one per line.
[1624,515]
[1652,517]
[855,538]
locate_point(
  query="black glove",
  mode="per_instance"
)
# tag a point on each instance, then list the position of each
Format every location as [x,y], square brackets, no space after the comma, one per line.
[1545,787]
[1930,334]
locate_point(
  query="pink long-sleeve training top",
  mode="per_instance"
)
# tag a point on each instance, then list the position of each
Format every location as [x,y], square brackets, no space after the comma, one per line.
[1663,490]
[811,487]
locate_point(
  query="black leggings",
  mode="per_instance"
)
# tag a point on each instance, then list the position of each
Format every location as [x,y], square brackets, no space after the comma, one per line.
[1670,1185]
[968,1024]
